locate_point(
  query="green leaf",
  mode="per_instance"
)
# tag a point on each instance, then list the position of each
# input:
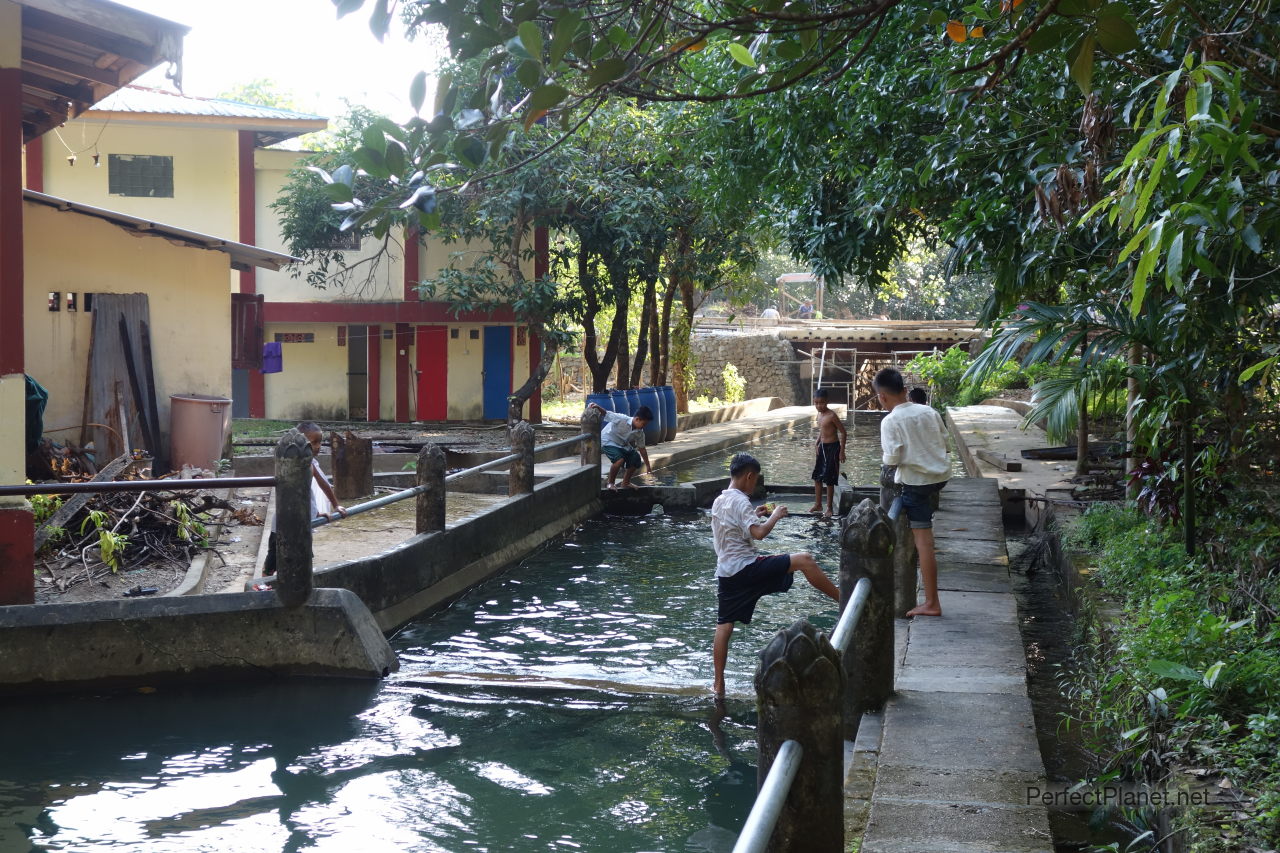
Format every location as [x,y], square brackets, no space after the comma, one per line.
[443,85]
[529,73]
[546,97]
[1251,239]
[1048,36]
[1211,674]
[1265,364]
[741,55]
[531,38]
[338,192]
[606,71]
[374,138]
[1169,669]
[938,17]
[1116,35]
[1173,265]
[1082,64]
[562,36]
[418,91]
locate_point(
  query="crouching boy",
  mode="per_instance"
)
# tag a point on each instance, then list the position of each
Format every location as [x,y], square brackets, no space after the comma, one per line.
[622,441]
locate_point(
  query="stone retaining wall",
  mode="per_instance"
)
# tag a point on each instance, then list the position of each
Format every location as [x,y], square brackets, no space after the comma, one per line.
[767,362]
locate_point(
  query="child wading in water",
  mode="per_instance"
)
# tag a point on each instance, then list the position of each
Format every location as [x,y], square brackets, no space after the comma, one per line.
[742,575]
[830,451]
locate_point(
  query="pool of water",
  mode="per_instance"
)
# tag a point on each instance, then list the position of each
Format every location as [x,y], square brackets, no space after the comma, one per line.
[563,705]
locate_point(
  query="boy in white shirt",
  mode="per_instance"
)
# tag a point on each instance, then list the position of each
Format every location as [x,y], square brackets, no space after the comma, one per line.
[742,575]
[622,441]
[912,438]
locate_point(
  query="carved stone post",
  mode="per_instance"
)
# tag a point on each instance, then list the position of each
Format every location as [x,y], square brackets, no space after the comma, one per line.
[591,444]
[866,550]
[431,468]
[352,465]
[522,468]
[798,687]
[293,519]
[904,552]
[904,566]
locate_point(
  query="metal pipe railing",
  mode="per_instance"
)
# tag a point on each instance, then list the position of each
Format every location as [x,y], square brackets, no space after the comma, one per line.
[564,442]
[777,784]
[134,486]
[769,802]
[843,633]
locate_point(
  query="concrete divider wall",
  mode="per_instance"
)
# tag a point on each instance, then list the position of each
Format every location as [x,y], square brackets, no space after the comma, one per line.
[731,412]
[193,639]
[431,569]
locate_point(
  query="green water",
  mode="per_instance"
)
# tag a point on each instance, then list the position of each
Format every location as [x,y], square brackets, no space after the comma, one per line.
[606,741]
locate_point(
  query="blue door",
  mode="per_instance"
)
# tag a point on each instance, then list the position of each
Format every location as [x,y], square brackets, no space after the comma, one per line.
[497,371]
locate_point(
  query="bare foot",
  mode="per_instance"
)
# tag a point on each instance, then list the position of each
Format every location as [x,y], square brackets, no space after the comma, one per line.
[826,516]
[925,609]
[816,508]
[630,486]
[611,487]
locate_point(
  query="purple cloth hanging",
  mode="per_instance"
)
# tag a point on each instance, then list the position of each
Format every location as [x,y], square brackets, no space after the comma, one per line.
[272,358]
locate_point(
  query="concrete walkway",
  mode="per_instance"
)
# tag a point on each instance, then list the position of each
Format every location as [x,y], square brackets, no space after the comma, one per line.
[958,748]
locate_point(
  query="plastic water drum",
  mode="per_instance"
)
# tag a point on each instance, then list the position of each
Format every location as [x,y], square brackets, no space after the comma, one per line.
[633,400]
[619,401]
[669,418]
[198,428]
[603,399]
[653,431]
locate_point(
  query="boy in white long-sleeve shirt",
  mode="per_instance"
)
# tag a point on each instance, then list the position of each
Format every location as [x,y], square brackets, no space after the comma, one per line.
[913,440]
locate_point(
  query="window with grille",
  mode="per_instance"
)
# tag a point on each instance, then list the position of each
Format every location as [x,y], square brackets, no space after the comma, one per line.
[145,175]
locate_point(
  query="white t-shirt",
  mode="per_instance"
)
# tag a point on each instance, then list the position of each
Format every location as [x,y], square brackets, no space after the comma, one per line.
[731,518]
[912,437]
[619,432]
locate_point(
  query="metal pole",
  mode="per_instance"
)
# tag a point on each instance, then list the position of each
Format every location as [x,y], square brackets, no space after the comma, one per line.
[135,486]
[769,802]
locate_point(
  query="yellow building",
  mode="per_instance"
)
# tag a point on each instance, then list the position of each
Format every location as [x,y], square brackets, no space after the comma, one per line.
[372,352]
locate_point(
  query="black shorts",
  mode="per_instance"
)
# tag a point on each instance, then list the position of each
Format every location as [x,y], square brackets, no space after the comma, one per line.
[827,468]
[739,593]
[917,503]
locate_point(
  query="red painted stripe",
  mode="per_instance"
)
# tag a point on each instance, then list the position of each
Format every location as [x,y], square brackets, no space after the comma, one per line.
[535,355]
[17,553]
[404,372]
[11,270]
[412,256]
[375,373]
[247,205]
[35,164]
[385,313]
[257,394]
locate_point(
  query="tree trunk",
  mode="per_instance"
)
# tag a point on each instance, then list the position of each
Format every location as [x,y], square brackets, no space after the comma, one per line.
[664,338]
[520,396]
[647,330]
[621,307]
[1082,427]
[682,345]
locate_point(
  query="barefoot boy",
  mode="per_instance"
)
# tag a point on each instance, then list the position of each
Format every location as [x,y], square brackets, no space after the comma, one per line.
[622,440]
[742,575]
[911,437]
[830,451]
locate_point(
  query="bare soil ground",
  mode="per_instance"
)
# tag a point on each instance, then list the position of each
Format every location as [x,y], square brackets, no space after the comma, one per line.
[233,545]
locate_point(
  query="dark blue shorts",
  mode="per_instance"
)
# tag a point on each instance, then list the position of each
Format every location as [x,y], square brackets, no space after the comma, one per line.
[917,503]
[739,593]
[630,456]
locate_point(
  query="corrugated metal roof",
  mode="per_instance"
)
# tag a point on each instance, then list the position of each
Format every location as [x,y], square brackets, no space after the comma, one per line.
[242,255]
[139,99]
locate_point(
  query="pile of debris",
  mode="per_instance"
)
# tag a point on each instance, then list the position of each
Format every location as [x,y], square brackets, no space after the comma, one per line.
[89,536]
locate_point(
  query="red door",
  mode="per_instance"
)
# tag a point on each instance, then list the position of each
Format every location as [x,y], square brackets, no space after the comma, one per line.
[433,373]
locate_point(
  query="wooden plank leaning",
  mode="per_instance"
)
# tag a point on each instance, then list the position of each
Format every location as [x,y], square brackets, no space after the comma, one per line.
[68,510]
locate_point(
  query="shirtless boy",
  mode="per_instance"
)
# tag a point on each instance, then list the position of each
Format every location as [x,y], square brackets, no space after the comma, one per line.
[830,453]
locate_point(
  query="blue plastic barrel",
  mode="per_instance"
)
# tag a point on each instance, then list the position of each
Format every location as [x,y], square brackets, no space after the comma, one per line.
[669,417]
[619,401]
[653,431]
[633,400]
[603,399]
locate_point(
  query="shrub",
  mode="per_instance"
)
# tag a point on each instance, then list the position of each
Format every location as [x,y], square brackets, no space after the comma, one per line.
[735,387]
